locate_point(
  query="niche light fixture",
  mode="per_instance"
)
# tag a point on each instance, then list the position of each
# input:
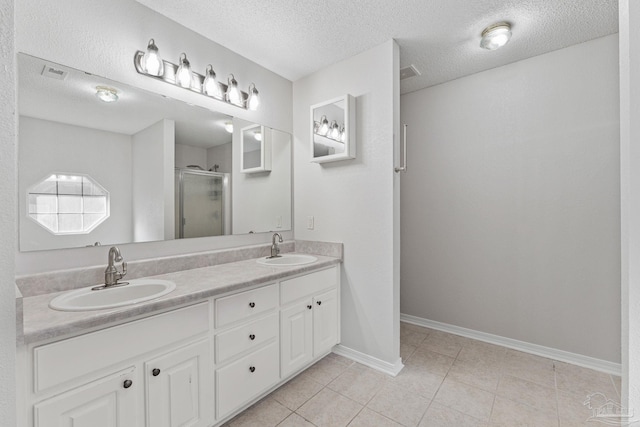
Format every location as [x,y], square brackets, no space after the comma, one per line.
[495,36]
[257,135]
[150,64]
[228,126]
[106,94]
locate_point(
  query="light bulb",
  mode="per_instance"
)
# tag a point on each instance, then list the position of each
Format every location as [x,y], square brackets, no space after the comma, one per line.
[233,93]
[343,134]
[324,126]
[106,94]
[335,132]
[210,84]
[228,126]
[257,135]
[495,36]
[254,99]
[183,75]
[152,62]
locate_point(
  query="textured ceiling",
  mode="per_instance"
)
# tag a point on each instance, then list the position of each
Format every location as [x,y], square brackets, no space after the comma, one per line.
[441,37]
[73,101]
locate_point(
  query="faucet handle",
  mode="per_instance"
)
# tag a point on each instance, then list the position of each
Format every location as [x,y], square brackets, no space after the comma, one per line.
[124,270]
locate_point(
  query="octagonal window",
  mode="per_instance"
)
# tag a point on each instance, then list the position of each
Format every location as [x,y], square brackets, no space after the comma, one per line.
[68,204]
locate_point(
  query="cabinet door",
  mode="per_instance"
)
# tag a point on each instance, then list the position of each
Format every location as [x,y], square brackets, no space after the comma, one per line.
[107,402]
[296,336]
[180,387]
[325,322]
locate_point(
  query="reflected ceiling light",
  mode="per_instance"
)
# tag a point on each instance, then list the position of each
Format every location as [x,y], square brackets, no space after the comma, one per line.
[152,62]
[183,75]
[106,94]
[254,99]
[324,126]
[334,133]
[228,126]
[233,93]
[257,135]
[495,36]
[210,85]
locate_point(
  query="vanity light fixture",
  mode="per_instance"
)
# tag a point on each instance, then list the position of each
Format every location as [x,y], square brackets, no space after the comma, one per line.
[324,126]
[334,133]
[106,94]
[183,76]
[228,126]
[150,64]
[343,134]
[495,36]
[233,93]
[210,85]
[254,99]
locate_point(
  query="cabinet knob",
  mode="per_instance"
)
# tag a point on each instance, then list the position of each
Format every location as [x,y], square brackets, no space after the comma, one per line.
[252,368]
[252,304]
[319,302]
[155,372]
[252,337]
[127,383]
[309,307]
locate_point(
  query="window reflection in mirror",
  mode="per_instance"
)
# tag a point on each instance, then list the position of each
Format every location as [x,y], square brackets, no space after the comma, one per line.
[137,147]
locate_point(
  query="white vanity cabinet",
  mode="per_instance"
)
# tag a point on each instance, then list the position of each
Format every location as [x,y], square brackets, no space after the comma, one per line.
[152,372]
[309,318]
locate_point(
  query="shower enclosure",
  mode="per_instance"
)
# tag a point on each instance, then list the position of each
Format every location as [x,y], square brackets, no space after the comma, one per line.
[202,202]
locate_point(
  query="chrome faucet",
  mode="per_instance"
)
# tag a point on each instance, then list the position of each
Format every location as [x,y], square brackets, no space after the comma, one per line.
[275,249]
[111,274]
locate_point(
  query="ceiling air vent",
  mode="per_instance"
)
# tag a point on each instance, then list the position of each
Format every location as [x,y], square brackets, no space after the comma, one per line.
[410,71]
[54,73]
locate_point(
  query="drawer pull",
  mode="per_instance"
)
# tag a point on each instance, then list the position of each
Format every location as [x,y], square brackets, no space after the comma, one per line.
[319,302]
[127,383]
[252,337]
[309,307]
[252,368]
[155,372]
[252,304]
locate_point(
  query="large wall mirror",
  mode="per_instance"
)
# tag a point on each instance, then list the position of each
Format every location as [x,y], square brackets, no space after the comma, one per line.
[104,163]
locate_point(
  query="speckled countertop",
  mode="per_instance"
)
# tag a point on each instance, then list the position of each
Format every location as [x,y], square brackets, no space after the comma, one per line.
[42,323]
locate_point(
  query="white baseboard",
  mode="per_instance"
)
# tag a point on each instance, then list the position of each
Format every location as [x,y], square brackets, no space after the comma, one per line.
[392,369]
[538,350]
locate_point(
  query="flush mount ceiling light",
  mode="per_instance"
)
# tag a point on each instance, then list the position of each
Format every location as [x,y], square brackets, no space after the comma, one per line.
[257,135]
[106,94]
[495,36]
[150,64]
[228,126]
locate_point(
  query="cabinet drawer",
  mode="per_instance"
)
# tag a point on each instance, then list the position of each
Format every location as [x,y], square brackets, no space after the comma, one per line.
[98,350]
[238,383]
[303,286]
[245,305]
[246,337]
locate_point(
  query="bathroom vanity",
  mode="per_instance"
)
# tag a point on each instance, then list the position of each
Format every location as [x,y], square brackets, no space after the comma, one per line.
[228,335]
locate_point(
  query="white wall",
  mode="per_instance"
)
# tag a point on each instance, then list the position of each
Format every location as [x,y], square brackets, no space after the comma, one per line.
[153,182]
[352,200]
[8,223]
[105,156]
[101,37]
[189,155]
[629,21]
[510,207]
[260,198]
[220,155]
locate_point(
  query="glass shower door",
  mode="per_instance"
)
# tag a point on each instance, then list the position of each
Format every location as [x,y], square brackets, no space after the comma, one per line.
[202,204]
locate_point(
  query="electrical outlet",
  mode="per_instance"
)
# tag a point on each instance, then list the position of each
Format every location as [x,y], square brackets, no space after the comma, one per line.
[310,222]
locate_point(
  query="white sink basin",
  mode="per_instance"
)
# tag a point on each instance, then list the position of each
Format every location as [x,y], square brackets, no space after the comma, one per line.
[136,291]
[287,260]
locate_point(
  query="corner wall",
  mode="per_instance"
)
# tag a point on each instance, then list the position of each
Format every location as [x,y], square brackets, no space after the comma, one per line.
[352,200]
[510,207]
[8,158]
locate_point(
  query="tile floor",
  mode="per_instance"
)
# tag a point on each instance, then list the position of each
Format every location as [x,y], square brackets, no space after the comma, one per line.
[447,381]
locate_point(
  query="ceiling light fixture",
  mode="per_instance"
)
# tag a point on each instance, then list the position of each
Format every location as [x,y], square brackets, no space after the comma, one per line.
[150,64]
[257,135]
[228,126]
[495,36]
[106,94]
